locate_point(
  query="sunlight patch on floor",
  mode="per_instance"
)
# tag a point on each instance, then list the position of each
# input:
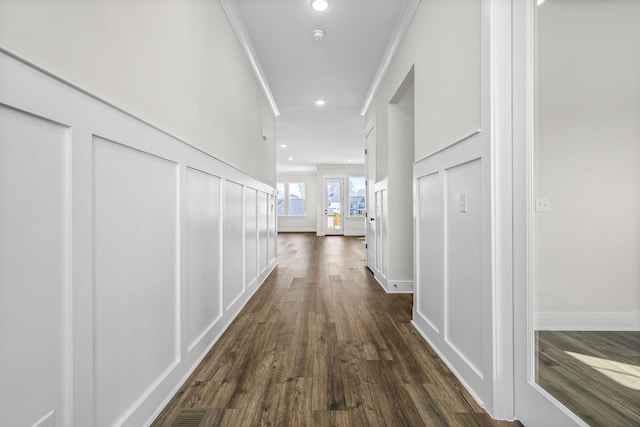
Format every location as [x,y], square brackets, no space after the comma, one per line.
[623,373]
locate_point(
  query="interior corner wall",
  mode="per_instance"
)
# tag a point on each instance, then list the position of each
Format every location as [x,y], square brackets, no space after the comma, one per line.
[587,246]
[306,223]
[176,65]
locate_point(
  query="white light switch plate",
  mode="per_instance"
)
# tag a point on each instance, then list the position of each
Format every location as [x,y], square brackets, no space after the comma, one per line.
[462,202]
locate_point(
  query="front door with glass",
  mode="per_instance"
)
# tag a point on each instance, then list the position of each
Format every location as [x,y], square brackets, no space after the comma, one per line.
[333,209]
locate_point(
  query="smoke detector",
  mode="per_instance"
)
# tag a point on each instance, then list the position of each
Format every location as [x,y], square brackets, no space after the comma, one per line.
[318,34]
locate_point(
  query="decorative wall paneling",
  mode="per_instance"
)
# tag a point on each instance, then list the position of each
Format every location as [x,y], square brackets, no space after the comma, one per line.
[453,271]
[124,254]
[381,265]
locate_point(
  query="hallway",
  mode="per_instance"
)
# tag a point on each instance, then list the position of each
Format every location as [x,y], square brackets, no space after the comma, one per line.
[321,344]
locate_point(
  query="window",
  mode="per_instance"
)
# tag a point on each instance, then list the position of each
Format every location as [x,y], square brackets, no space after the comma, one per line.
[280,189]
[296,199]
[293,203]
[357,193]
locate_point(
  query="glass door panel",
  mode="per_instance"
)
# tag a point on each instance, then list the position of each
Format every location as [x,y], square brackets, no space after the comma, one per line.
[582,301]
[586,207]
[333,213]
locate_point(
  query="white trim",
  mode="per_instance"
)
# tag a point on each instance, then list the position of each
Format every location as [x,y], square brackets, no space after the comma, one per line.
[451,367]
[262,278]
[532,405]
[463,139]
[369,127]
[381,281]
[399,286]
[235,19]
[587,321]
[500,124]
[296,230]
[400,29]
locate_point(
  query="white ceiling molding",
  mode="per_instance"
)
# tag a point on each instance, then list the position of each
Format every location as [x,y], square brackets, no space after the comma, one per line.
[402,24]
[233,14]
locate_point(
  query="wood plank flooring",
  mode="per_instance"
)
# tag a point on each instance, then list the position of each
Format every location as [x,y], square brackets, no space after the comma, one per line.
[595,374]
[320,344]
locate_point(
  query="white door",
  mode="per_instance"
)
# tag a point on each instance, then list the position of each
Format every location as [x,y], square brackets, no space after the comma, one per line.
[381,230]
[334,206]
[370,179]
[378,232]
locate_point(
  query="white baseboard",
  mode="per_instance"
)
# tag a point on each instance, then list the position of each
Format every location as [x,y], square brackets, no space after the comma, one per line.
[587,321]
[381,281]
[400,286]
[261,279]
[451,366]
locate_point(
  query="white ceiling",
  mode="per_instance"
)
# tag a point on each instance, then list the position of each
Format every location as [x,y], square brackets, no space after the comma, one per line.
[339,69]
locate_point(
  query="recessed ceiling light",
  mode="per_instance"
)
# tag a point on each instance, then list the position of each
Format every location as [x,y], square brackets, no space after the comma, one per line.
[319,5]
[283,145]
[290,158]
[320,102]
[318,34]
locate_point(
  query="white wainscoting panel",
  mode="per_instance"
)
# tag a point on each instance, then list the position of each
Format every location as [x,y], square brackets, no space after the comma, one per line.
[204,290]
[453,286]
[250,236]
[272,219]
[263,229]
[233,283]
[135,275]
[124,255]
[429,299]
[34,268]
[463,275]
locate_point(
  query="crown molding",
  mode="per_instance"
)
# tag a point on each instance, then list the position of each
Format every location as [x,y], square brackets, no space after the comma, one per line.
[409,9]
[233,14]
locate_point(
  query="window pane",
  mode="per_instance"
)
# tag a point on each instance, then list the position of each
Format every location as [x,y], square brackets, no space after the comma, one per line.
[280,189]
[296,198]
[357,193]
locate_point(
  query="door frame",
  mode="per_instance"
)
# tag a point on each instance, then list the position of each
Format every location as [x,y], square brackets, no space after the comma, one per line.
[533,405]
[370,181]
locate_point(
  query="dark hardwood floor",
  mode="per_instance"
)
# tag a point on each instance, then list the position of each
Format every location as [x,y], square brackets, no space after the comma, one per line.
[595,374]
[320,344]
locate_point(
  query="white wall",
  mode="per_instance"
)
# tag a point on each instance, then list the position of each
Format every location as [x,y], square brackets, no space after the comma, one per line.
[400,186]
[176,65]
[352,226]
[308,222]
[125,253]
[443,43]
[588,163]
[441,53]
